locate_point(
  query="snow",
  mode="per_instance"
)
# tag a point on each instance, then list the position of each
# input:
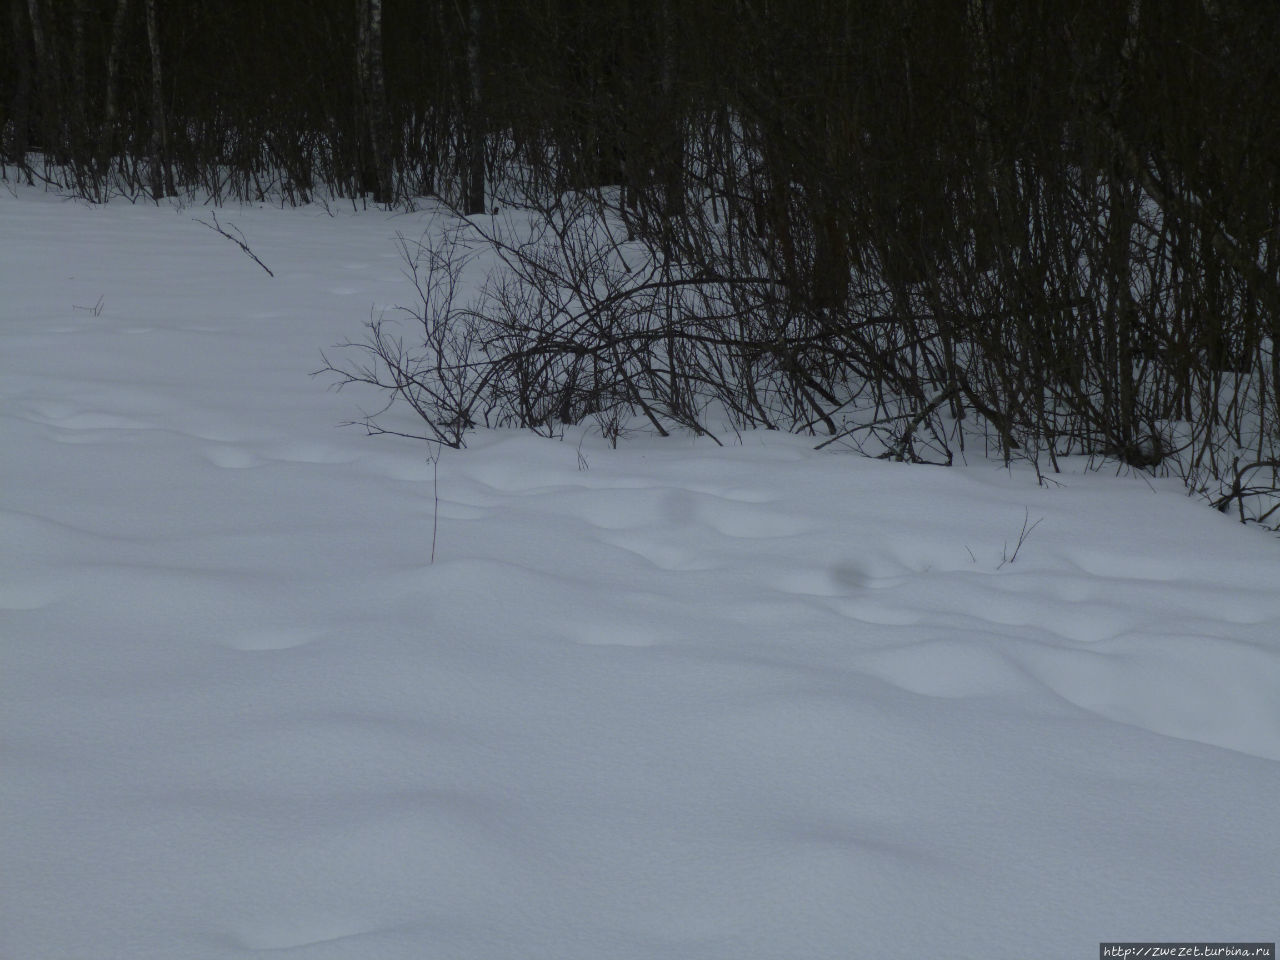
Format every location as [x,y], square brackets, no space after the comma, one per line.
[670,700]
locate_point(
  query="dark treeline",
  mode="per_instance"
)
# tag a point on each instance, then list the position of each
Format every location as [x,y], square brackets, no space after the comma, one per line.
[1054,226]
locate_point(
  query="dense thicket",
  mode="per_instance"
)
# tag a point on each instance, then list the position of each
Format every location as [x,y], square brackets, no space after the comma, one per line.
[901,224]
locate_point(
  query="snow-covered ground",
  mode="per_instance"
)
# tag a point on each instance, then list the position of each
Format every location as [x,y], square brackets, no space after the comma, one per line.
[668,701]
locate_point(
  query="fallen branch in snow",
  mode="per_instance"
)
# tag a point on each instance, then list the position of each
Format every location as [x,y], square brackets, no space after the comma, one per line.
[96,309]
[238,240]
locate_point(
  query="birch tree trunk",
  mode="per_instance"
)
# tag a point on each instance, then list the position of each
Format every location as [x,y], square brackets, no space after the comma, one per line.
[379,118]
[371,74]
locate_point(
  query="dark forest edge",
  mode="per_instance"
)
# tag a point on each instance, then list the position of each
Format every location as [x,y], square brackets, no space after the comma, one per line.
[1048,229]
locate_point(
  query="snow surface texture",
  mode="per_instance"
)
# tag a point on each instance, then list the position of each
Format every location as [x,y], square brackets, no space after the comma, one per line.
[687,702]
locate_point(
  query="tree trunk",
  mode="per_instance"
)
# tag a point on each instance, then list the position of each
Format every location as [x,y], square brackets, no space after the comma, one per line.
[473,171]
[673,163]
[81,151]
[379,119]
[1122,216]
[108,137]
[20,105]
[371,74]
[161,175]
[45,80]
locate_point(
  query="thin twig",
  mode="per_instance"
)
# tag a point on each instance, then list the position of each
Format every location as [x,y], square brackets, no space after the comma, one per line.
[435,492]
[239,241]
[1027,527]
